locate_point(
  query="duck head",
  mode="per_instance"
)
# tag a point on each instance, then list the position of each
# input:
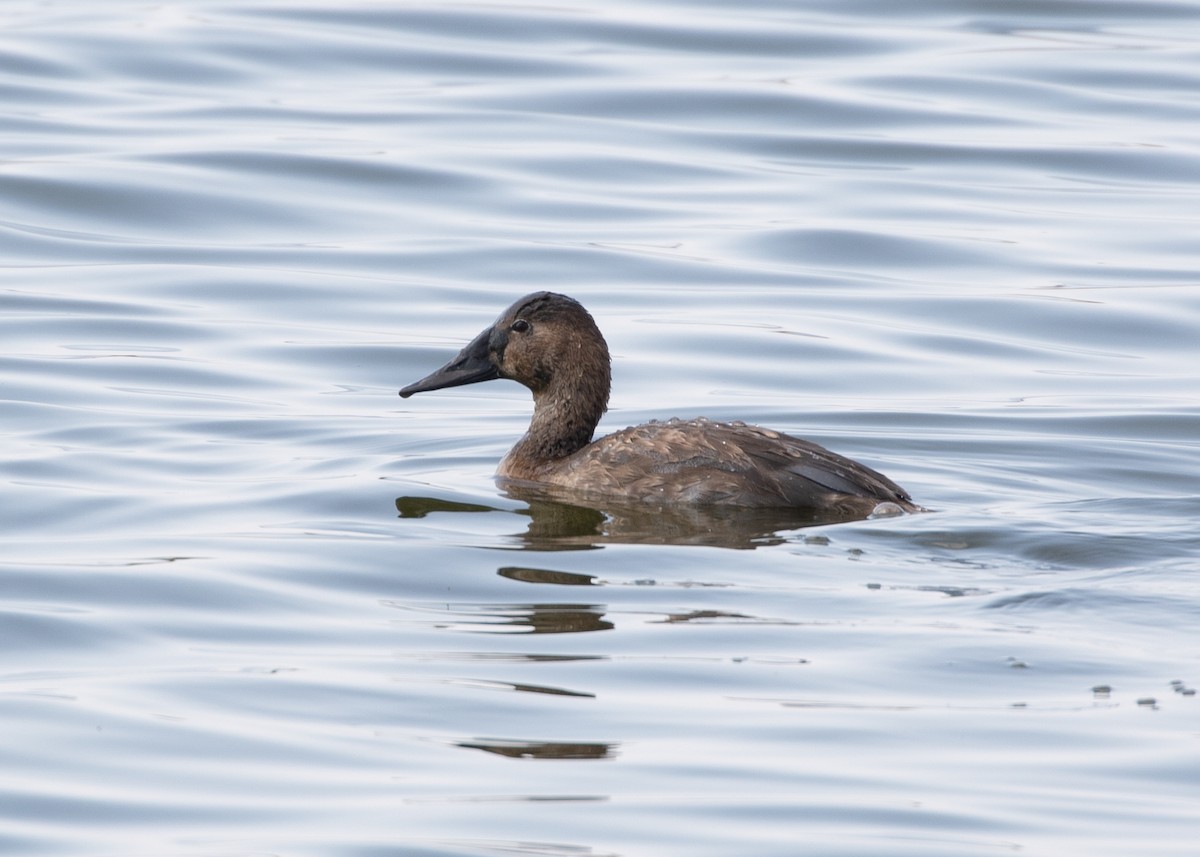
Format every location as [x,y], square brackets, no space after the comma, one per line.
[546,341]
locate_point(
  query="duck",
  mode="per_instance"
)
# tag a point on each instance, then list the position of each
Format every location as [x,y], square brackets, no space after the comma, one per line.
[549,343]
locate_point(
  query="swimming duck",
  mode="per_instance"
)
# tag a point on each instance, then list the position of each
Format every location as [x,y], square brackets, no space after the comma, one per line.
[551,344]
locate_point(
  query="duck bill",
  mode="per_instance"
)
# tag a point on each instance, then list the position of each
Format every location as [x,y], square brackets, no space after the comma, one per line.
[472,365]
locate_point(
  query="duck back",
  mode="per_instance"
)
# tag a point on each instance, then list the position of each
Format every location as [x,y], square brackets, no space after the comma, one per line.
[705,462]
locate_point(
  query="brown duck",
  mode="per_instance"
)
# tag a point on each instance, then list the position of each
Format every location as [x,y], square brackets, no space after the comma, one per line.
[551,344]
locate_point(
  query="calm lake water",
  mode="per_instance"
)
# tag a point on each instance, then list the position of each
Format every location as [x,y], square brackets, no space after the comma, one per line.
[252,603]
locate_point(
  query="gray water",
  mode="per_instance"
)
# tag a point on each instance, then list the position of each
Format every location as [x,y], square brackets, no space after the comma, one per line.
[251,602]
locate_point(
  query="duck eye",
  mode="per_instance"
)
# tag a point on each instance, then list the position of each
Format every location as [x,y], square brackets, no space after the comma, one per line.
[520,325]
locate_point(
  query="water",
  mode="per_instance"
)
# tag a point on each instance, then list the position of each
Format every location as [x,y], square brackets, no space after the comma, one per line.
[252,602]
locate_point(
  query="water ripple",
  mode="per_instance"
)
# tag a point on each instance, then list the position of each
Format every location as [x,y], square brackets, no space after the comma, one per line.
[254,602]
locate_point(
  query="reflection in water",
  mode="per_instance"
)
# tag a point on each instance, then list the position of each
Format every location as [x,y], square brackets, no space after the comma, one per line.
[516,618]
[521,687]
[542,749]
[515,657]
[718,615]
[555,525]
[419,507]
[547,575]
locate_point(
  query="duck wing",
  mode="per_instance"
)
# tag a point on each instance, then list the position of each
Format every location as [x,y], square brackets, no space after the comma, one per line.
[701,461]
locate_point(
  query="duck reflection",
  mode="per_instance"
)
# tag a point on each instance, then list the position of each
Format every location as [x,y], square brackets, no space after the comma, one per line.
[541,749]
[557,525]
[506,618]
[547,575]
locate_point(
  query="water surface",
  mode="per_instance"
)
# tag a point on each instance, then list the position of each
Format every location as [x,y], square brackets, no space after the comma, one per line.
[253,602]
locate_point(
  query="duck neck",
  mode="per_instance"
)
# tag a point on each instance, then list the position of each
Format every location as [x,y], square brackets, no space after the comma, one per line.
[563,423]
[565,414]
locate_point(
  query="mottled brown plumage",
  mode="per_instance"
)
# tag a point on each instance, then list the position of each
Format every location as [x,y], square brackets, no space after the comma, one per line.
[550,343]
